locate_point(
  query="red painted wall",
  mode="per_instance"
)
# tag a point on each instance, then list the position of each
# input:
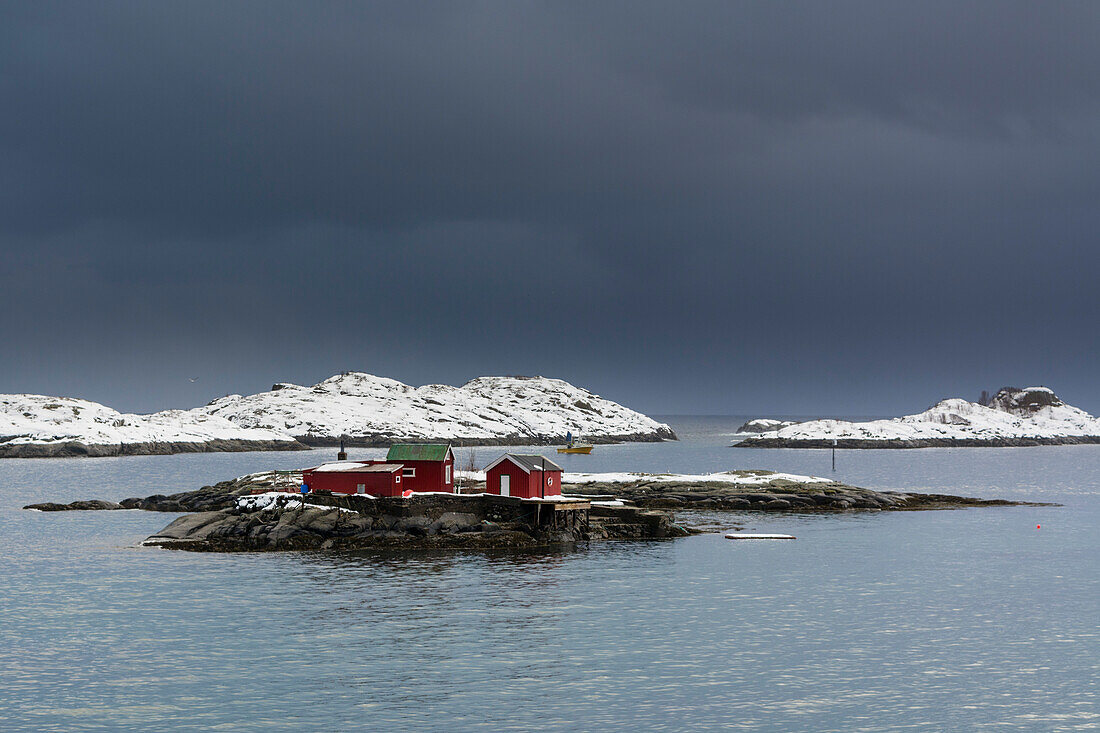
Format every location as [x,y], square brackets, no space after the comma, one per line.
[430,476]
[524,485]
[346,482]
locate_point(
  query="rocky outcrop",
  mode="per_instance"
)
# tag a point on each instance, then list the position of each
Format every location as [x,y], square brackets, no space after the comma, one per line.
[777,496]
[89,505]
[221,495]
[328,522]
[764,424]
[767,492]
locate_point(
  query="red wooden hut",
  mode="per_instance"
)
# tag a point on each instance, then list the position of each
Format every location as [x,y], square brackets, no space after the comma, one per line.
[525,476]
[424,466]
[351,477]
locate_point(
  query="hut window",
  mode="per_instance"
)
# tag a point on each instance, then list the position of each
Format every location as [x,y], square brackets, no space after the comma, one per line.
[409,472]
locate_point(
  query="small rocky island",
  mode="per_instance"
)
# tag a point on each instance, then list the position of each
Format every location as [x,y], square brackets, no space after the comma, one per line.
[1012,417]
[352,407]
[245,514]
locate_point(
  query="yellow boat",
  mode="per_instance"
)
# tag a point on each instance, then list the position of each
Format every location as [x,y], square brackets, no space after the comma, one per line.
[586,449]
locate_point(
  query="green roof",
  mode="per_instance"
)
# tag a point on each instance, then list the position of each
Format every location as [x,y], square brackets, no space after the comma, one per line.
[418,452]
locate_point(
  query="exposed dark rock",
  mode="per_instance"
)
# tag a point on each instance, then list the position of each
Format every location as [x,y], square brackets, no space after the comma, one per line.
[775,495]
[764,424]
[780,495]
[92,504]
[426,521]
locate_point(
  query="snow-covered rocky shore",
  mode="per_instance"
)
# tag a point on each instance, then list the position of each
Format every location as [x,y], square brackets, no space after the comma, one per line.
[37,426]
[763,425]
[1012,417]
[375,411]
[363,409]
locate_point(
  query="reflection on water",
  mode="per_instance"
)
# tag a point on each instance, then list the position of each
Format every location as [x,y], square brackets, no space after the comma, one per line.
[956,620]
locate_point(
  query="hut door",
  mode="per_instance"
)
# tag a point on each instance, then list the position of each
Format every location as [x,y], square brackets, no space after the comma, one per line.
[505,485]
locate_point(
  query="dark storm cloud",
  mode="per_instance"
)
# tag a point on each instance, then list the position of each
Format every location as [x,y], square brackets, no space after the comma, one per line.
[842,206]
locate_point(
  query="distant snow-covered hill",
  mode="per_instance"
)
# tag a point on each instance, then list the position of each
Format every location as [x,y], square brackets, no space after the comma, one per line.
[34,426]
[364,409]
[1031,416]
[501,410]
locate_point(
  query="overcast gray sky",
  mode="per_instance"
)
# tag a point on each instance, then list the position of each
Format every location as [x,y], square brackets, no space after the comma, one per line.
[728,207]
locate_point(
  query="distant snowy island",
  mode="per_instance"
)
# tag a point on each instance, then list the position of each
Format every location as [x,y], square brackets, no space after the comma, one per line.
[1012,417]
[360,408]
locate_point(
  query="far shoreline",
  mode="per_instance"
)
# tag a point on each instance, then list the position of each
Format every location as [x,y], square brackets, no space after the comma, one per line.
[915,443]
[76,449]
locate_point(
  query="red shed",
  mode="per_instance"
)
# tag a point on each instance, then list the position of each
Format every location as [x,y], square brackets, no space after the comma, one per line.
[350,477]
[425,466]
[526,476]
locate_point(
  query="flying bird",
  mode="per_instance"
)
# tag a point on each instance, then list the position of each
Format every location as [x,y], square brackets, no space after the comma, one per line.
[192,379]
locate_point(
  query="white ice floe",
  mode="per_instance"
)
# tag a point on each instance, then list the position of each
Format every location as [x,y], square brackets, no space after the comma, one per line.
[1012,414]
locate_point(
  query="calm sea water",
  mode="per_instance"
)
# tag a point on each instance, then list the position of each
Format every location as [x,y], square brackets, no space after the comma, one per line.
[954,620]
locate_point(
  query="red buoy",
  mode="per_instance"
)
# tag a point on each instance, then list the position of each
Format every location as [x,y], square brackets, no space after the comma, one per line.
[1038,526]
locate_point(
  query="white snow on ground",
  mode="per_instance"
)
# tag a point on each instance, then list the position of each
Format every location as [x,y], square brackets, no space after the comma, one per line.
[40,419]
[1013,414]
[740,478]
[352,404]
[283,500]
[358,404]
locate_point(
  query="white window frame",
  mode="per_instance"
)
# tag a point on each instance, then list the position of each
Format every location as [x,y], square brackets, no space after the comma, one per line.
[447,476]
[408,472]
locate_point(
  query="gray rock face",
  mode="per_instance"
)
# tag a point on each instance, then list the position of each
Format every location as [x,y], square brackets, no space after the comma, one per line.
[779,496]
[434,521]
[92,504]
[763,425]
[1024,402]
